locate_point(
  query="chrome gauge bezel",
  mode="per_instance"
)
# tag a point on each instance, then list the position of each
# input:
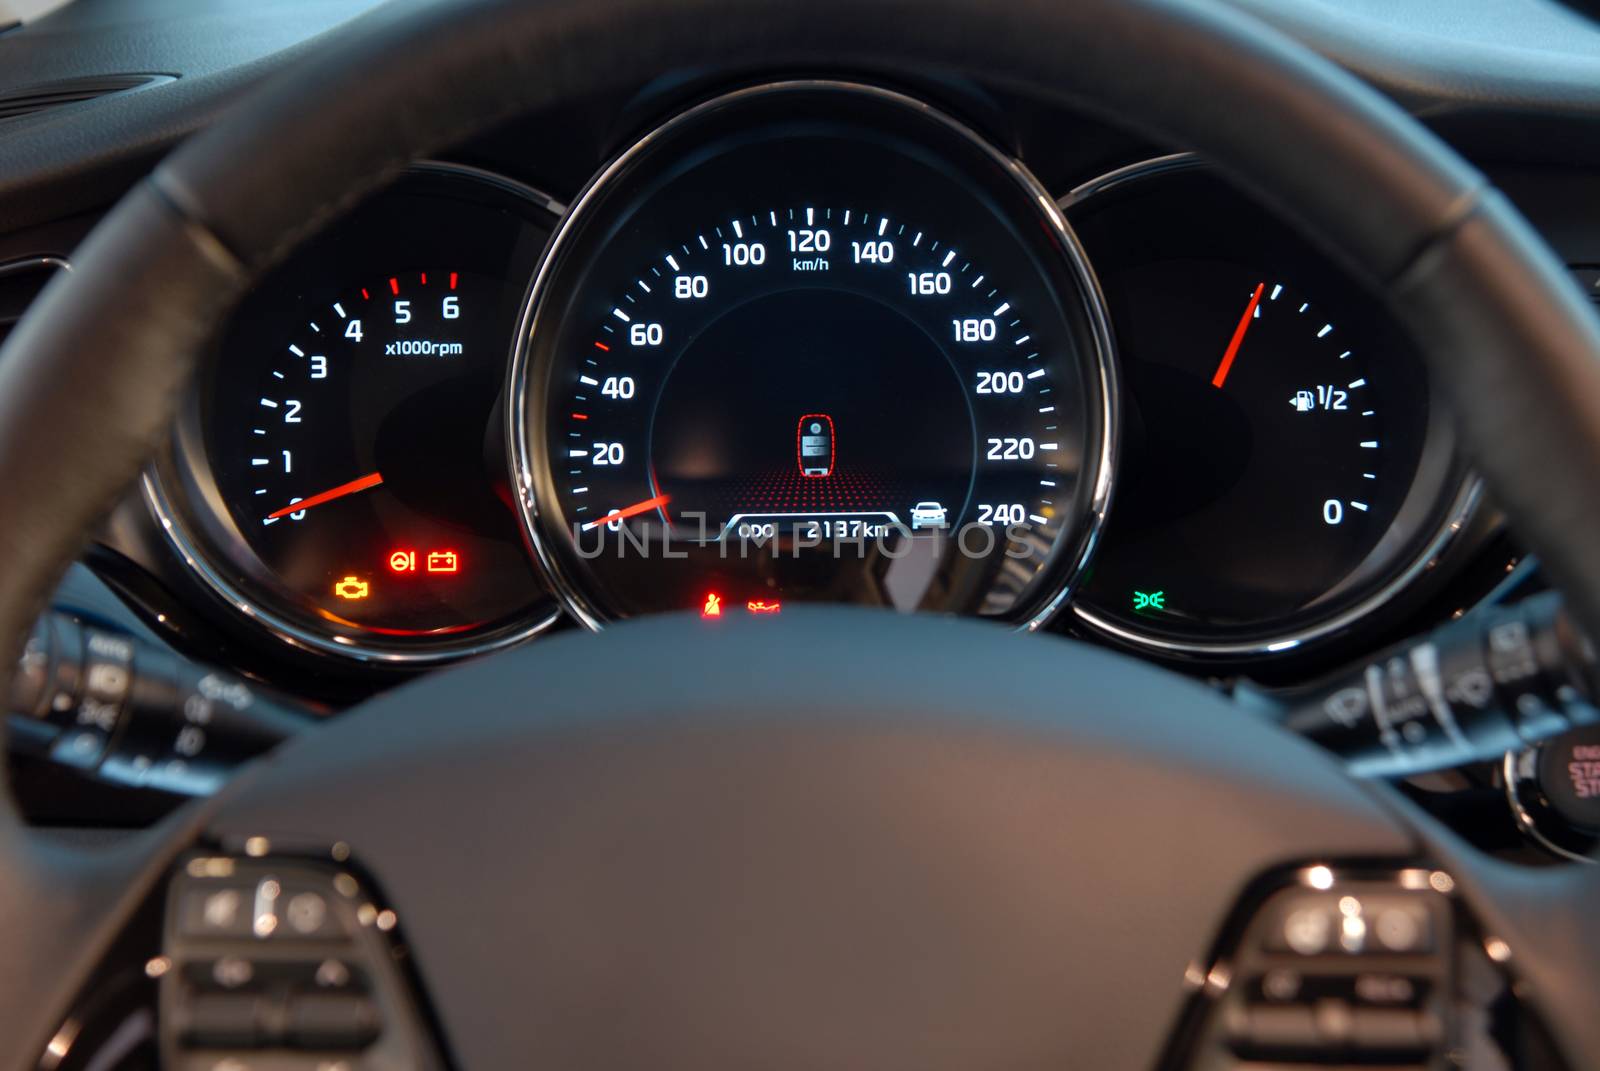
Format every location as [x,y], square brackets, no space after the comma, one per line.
[1456,504]
[1534,819]
[181,473]
[526,394]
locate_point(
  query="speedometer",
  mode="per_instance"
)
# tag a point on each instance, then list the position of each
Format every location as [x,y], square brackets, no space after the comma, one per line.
[813,342]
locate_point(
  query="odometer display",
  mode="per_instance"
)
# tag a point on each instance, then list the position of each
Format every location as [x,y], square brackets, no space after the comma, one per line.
[814,343]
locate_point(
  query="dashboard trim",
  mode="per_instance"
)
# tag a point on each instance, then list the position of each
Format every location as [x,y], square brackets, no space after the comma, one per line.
[1096,312]
[1461,510]
[1155,165]
[22,264]
[168,517]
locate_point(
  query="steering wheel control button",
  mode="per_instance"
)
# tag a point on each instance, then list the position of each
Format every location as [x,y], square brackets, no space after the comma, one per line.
[1350,971]
[1400,929]
[1278,1030]
[1317,923]
[307,914]
[233,972]
[331,1021]
[223,1020]
[282,963]
[1308,930]
[332,974]
[223,912]
[1398,1031]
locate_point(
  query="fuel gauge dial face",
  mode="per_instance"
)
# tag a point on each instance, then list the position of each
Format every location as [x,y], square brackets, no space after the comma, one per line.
[1264,467]
[1283,470]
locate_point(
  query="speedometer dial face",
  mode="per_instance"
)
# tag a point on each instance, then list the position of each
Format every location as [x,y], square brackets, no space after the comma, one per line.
[837,351]
[1283,467]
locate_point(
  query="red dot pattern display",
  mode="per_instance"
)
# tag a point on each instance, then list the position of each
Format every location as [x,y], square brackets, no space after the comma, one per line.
[847,490]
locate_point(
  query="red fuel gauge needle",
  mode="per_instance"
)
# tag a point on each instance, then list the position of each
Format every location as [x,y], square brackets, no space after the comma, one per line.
[630,511]
[1238,337]
[372,479]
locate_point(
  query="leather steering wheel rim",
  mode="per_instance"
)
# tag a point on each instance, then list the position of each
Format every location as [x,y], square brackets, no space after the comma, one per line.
[89,380]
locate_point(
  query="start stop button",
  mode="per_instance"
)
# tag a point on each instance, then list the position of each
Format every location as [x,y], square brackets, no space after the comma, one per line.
[1568,773]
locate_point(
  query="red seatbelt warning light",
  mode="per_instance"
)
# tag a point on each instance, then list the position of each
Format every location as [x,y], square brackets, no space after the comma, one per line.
[443,561]
[762,606]
[403,561]
[712,607]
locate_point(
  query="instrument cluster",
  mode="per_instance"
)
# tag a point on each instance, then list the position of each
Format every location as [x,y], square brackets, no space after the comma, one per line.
[810,342]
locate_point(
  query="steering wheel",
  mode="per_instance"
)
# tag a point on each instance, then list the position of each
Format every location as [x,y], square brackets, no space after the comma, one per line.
[600,851]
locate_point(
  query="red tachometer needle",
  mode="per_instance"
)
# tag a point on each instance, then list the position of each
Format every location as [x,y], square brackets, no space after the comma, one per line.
[630,511]
[1238,337]
[372,479]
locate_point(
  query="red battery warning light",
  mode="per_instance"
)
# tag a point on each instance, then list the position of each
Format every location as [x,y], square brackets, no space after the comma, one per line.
[435,561]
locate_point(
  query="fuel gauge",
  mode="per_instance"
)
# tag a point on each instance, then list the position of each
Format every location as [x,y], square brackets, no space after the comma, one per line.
[1282,466]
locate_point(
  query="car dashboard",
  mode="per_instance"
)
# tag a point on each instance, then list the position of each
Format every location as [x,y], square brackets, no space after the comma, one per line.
[733,345]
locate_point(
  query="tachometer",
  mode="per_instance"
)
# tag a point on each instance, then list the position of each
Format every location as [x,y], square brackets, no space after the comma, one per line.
[814,342]
[341,474]
[353,458]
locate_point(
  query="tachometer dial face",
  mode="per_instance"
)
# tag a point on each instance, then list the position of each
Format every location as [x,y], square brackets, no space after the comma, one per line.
[341,473]
[1281,463]
[836,354]
[357,460]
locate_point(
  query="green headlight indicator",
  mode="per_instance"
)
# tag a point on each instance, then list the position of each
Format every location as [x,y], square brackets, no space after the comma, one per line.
[1145,601]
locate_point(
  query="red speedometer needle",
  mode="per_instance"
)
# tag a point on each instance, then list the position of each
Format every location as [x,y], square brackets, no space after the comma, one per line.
[630,511]
[371,479]
[1238,337]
